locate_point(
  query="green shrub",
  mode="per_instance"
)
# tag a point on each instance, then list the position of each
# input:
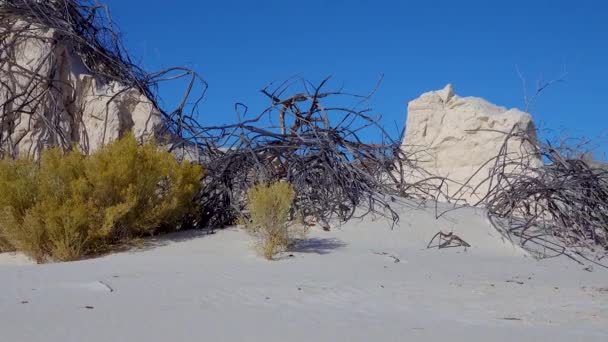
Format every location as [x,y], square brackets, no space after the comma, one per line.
[269,206]
[71,206]
[17,185]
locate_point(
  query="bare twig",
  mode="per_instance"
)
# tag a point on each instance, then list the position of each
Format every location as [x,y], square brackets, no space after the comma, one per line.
[447,240]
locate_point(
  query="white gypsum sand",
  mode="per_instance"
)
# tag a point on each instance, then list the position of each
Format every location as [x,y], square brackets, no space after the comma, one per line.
[342,285]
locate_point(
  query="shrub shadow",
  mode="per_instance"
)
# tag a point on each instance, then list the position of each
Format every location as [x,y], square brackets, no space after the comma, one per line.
[149,243]
[317,245]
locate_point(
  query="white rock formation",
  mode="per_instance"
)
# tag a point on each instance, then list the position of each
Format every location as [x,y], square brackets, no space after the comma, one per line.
[73,108]
[455,137]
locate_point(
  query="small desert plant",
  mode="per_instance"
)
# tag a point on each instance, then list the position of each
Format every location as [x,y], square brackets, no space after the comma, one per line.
[269,206]
[17,185]
[70,205]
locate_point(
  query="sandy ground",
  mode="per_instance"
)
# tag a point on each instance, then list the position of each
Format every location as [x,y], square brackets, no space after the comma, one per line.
[359,282]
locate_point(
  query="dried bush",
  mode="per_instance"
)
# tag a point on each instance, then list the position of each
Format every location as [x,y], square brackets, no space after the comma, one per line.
[269,206]
[70,206]
[558,206]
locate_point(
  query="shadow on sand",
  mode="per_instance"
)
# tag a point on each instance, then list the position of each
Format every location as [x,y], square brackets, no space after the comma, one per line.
[150,243]
[317,245]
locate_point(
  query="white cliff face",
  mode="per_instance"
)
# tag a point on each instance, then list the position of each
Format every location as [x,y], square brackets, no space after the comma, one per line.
[73,107]
[456,137]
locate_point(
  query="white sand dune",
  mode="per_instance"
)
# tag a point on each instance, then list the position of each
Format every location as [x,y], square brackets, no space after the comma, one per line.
[343,285]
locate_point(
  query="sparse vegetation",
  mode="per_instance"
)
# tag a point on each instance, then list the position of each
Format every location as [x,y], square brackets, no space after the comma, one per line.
[69,205]
[269,206]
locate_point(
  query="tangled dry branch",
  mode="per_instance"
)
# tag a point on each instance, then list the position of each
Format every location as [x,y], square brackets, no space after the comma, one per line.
[309,139]
[553,198]
[36,100]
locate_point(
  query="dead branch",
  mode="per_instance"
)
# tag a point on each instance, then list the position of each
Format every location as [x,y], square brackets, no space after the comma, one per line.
[447,240]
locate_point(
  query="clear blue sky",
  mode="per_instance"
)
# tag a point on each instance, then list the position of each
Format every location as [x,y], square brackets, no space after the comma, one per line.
[240,46]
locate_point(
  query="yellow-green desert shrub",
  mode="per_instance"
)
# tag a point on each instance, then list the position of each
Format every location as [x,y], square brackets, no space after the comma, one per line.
[269,206]
[17,189]
[70,206]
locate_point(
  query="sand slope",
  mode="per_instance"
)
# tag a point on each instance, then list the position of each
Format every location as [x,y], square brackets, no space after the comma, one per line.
[342,285]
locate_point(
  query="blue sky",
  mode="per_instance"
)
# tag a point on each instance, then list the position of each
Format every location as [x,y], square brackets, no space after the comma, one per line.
[240,46]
